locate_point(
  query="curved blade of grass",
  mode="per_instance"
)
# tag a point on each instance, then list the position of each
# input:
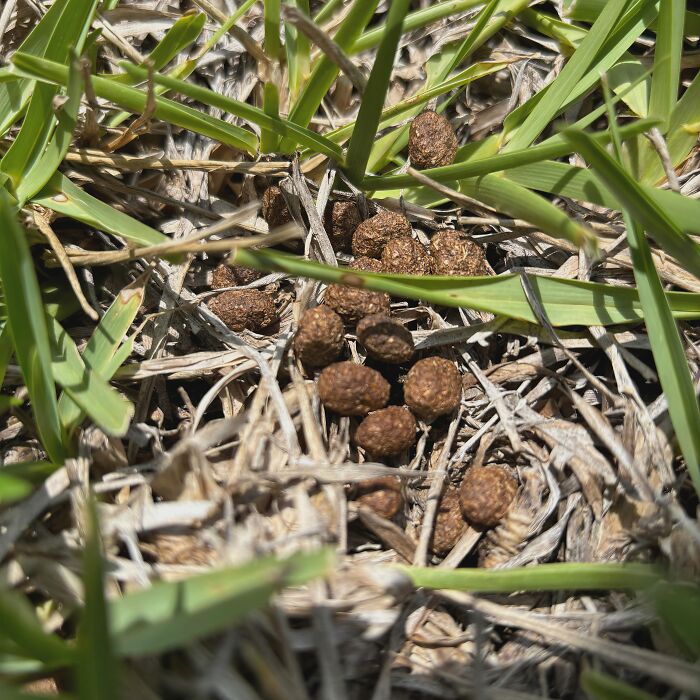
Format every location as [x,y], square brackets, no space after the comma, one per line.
[566,302]
[64,26]
[375,94]
[580,183]
[172,614]
[667,348]
[25,314]
[5,343]
[100,351]
[544,577]
[32,472]
[96,668]
[44,165]
[633,198]
[103,404]
[63,197]
[245,111]
[135,100]
[325,71]
[601,686]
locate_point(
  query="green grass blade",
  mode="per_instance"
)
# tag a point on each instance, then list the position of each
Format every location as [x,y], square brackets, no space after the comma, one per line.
[245,111]
[96,668]
[601,686]
[639,15]
[269,140]
[668,51]
[21,626]
[298,50]
[12,488]
[373,100]
[25,313]
[667,348]
[64,26]
[555,147]
[63,197]
[678,605]
[103,404]
[325,71]
[169,615]
[415,20]
[680,140]
[181,35]
[100,352]
[570,76]
[390,114]
[5,341]
[37,173]
[273,46]
[632,197]
[544,577]
[565,301]
[492,19]
[135,100]
[579,183]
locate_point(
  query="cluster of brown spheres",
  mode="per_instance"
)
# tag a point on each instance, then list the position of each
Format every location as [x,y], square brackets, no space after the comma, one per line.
[382,243]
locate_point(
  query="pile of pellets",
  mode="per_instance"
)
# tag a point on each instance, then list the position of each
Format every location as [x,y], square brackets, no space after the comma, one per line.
[394,394]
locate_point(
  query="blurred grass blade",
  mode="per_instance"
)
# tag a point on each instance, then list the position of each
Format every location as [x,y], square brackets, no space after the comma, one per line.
[564,84]
[298,51]
[39,172]
[21,626]
[25,313]
[601,686]
[566,302]
[135,101]
[65,25]
[63,197]
[544,577]
[96,667]
[325,71]
[101,402]
[666,345]
[245,111]
[375,94]
[12,488]
[5,341]
[632,197]
[678,605]
[668,51]
[101,349]
[169,615]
